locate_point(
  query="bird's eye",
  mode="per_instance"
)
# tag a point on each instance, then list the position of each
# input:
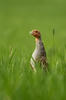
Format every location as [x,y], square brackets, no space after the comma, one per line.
[36,31]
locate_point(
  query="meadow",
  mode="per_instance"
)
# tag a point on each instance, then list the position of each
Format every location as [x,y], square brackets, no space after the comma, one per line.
[17,19]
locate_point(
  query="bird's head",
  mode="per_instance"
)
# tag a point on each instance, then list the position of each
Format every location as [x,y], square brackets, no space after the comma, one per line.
[36,34]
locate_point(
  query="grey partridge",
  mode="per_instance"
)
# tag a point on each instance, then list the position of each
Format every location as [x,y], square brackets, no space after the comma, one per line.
[39,54]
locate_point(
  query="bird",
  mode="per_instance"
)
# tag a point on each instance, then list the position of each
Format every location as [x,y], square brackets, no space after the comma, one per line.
[39,54]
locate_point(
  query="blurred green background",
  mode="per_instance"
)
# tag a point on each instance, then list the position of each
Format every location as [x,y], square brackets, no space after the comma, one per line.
[17,19]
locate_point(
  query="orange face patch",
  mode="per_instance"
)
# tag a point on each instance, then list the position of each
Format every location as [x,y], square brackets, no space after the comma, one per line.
[36,39]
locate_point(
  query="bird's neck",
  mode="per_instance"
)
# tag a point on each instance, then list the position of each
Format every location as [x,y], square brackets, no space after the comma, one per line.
[38,39]
[38,43]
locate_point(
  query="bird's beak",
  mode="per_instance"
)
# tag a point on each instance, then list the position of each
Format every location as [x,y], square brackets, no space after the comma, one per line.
[31,32]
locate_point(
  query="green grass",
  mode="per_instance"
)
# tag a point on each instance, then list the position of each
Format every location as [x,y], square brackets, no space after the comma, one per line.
[17,80]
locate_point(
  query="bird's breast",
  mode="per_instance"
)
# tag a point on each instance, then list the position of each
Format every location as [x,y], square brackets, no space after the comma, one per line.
[38,52]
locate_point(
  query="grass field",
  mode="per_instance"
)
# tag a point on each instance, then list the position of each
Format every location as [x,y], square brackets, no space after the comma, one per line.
[17,80]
